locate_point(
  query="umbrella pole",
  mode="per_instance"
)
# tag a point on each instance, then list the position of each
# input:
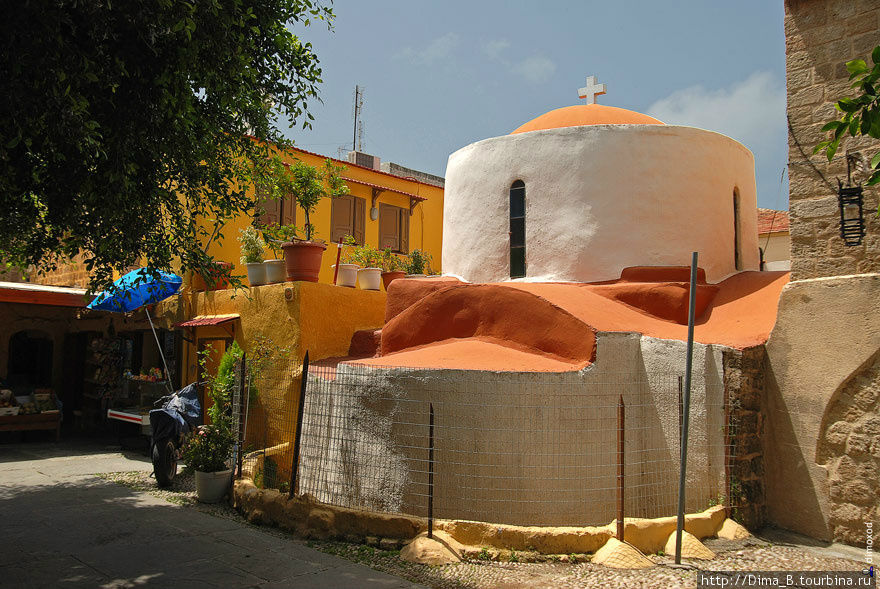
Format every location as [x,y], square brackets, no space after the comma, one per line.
[161,353]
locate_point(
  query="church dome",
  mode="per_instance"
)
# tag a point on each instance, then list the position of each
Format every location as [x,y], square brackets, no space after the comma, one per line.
[586,114]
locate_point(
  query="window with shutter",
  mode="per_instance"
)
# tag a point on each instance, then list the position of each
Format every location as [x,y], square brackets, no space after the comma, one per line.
[347,217]
[267,211]
[393,228]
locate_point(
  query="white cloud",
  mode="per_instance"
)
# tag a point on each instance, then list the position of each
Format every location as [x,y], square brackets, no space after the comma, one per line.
[751,111]
[436,50]
[495,48]
[535,69]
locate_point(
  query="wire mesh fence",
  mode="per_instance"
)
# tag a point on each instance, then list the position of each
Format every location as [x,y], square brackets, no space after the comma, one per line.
[515,448]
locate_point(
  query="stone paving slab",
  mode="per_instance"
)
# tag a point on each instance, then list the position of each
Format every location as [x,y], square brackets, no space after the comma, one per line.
[64,527]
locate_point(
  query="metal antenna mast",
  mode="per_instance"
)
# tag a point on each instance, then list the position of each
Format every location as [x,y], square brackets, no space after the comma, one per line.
[357,137]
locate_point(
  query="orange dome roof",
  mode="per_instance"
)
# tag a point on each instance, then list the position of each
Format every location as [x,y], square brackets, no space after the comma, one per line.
[586,114]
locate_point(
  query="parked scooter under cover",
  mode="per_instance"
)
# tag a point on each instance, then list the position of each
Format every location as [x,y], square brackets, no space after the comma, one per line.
[180,414]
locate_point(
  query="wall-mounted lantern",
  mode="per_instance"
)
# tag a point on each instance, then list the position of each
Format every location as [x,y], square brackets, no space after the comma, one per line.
[849,199]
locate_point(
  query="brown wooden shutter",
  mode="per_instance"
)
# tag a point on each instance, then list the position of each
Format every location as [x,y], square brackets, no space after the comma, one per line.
[268,211]
[404,231]
[389,227]
[360,215]
[341,217]
[289,212]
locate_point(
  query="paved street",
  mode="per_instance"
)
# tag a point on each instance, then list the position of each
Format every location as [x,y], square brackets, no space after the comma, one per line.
[64,527]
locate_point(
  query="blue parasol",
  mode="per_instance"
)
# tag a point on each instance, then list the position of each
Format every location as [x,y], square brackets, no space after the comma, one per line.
[136,289]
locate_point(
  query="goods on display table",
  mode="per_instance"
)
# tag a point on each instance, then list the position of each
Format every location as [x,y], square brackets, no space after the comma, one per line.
[139,395]
[37,411]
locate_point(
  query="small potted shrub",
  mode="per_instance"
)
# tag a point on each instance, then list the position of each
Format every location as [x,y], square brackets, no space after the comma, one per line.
[348,268]
[215,277]
[274,235]
[392,267]
[208,449]
[252,247]
[417,264]
[369,275]
[307,185]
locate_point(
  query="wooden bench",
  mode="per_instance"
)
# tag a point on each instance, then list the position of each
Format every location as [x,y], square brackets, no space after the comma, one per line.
[34,421]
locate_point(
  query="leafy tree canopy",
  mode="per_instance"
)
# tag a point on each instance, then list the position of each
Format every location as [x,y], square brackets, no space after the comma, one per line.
[860,114]
[122,123]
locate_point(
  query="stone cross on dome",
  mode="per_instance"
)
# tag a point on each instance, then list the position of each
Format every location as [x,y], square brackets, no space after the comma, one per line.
[591,90]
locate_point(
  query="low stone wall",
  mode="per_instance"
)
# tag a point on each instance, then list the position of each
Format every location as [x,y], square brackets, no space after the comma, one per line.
[306,517]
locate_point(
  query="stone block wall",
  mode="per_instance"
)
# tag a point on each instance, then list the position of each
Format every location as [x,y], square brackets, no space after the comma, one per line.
[821,36]
[744,390]
[68,273]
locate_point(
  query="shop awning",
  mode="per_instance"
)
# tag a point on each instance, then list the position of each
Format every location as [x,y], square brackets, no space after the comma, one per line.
[202,320]
[41,294]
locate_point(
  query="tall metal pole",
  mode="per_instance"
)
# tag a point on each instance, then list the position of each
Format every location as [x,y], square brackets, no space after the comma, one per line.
[431,472]
[242,393]
[294,465]
[621,417]
[354,135]
[687,408]
[161,352]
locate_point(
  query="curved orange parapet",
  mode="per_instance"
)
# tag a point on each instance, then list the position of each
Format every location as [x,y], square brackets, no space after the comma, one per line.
[493,314]
[586,114]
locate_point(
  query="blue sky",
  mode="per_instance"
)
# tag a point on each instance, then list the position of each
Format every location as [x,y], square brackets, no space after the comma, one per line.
[441,75]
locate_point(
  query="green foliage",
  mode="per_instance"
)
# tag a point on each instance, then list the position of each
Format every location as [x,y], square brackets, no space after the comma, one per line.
[513,556]
[306,184]
[484,554]
[860,114]
[275,235]
[252,246]
[418,262]
[365,256]
[390,261]
[270,473]
[126,125]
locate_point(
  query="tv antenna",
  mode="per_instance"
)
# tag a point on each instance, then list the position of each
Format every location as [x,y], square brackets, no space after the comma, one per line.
[357,139]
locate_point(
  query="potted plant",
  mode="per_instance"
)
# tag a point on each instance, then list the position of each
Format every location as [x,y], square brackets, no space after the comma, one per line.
[417,264]
[252,247]
[369,275]
[307,185]
[275,235]
[214,277]
[392,267]
[346,274]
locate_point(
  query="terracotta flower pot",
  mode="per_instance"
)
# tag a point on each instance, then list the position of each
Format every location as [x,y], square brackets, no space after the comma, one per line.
[370,278]
[302,259]
[347,275]
[388,277]
[200,282]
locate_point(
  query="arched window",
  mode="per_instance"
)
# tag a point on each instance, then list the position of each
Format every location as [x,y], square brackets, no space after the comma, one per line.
[737,256]
[517,229]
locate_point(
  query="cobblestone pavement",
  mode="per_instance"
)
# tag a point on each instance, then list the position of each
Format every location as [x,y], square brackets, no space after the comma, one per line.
[773,551]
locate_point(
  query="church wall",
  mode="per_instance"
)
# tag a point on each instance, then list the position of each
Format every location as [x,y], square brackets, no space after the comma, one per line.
[599,199]
[821,36]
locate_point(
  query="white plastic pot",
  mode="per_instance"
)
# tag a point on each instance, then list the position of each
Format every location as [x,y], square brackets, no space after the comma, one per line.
[347,276]
[370,278]
[275,271]
[212,486]
[256,273]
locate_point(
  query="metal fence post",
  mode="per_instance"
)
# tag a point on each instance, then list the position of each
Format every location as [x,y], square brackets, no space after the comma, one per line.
[621,416]
[431,472]
[686,409]
[294,465]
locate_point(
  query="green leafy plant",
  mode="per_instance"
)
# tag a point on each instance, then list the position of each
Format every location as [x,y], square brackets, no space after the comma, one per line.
[132,131]
[513,556]
[306,184]
[252,246]
[417,262]
[390,261]
[274,235]
[860,114]
[365,256]
[484,554]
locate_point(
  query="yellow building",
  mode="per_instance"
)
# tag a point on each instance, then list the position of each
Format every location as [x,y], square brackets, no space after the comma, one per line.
[381,209]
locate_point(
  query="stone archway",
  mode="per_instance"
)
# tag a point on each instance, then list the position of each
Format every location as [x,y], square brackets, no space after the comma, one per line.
[30,358]
[849,447]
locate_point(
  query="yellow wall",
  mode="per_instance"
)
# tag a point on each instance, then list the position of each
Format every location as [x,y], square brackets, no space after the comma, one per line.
[426,222]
